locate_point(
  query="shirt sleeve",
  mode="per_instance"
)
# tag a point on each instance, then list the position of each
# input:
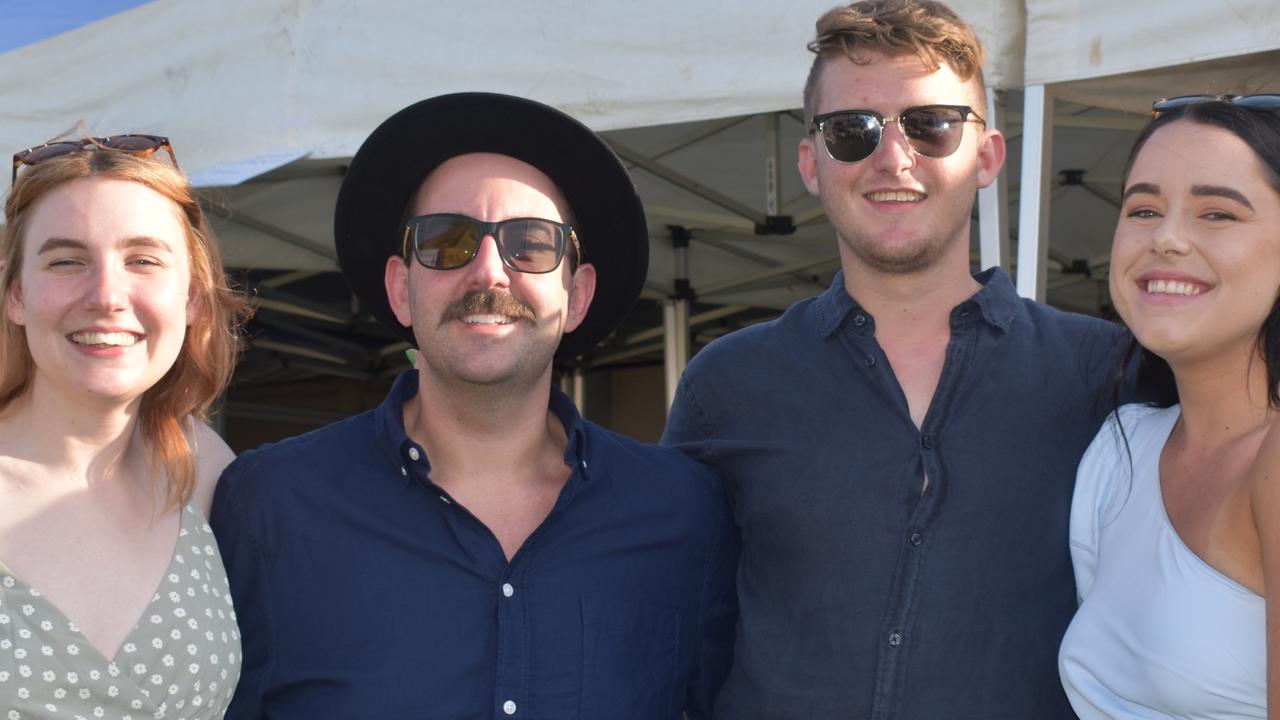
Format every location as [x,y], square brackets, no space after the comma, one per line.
[1104,465]
[244,562]
[719,619]
[687,426]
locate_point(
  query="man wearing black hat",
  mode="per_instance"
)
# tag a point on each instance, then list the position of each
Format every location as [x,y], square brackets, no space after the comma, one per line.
[473,548]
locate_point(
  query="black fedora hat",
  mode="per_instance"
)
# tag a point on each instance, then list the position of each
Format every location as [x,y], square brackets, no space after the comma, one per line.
[392,163]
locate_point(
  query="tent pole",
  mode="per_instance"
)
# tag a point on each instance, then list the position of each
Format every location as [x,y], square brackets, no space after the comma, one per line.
[1033,210]
[771,149]
[675,315]
[993,200]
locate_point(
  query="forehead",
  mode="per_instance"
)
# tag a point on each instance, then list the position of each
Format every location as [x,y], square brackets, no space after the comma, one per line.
[889,83]
[486,186]
[106,210]
[1195,152]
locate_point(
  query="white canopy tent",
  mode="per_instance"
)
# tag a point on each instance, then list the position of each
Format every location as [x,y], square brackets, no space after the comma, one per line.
[266,99]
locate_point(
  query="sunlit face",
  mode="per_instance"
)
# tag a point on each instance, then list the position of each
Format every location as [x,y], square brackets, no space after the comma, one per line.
[1195,267]
[897,211]
[487,347]
[103,289]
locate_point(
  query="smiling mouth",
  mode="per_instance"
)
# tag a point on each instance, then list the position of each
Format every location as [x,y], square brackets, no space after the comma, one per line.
[1172,287]
[896,196]
[104,339]
[487,319]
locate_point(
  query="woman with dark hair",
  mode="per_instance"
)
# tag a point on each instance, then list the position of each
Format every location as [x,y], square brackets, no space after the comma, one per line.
[1175,526]
[118,333]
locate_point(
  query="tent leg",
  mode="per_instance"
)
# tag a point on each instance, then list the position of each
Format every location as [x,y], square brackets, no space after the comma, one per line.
[675,323]
[580,390]
[675,315]
[1033,207]
[993,200]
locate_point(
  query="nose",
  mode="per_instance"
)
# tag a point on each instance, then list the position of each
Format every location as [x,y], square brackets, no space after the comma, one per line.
[894,154]
[1169,238]
[108,289]
[486,269]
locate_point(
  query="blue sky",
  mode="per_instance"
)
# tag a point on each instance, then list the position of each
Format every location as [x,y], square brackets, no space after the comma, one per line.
[29,21]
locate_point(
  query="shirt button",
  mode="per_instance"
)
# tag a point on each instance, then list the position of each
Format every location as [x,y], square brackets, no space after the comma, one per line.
[445,500]
[509,707]
[871,361]
[895,639]
[507,590]
[860,320]
[927,441]
[916,538]
[404,470]
[414,454]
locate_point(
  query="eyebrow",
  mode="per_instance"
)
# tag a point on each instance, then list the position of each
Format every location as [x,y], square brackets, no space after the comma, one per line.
[1221,191]
[59,243]
[1196,190]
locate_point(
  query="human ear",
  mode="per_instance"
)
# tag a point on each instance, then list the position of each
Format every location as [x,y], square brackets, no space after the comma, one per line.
[396,279]
[808,165]
[581,291]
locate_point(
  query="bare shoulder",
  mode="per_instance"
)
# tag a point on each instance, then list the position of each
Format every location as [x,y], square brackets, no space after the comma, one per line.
[1264,490]
[211,455]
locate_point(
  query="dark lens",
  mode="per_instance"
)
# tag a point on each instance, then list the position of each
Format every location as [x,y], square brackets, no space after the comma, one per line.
[444,242]
[44,152]
[131,143]
[934,132]
[1167,104]
[1259,102]
[532,245]
[851,137]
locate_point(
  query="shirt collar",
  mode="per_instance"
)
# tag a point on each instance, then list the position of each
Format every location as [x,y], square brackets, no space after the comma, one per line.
[389,420]
[997,301]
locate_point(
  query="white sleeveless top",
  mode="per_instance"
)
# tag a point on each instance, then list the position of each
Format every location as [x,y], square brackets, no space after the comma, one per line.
[1159,633]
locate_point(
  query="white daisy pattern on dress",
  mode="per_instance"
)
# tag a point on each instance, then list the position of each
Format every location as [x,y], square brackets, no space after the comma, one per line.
[180,662]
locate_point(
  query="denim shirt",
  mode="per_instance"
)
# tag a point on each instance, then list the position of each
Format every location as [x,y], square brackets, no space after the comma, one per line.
[863,593]
[363,590]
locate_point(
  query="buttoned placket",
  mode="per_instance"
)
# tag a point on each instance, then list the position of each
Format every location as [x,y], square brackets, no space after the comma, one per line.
[897,623]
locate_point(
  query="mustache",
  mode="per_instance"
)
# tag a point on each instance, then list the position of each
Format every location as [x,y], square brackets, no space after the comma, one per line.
[486,302]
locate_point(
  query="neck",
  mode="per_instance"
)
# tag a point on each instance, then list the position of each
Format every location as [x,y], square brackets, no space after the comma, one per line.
[1223,397]
[94,443]
[484,431]
[907,302]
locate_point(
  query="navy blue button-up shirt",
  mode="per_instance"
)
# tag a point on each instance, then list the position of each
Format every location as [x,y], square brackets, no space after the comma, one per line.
[862,596]
[364,591]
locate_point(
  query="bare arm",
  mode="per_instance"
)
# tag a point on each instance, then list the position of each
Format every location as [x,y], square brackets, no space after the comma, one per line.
[212,455]
[1265,502]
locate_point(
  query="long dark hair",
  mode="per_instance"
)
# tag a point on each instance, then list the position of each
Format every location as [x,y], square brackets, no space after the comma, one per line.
[1260,130]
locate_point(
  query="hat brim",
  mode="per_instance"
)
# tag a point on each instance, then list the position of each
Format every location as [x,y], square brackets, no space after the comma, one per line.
[397,157]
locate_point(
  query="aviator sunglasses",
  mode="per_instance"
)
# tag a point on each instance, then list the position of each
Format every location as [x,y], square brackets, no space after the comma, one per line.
[142,145]
[445,241]
[933,131]
[1265,102]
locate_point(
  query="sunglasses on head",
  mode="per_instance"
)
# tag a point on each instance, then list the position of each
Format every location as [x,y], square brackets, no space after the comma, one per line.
[1265,102]
[445,241]
[933,131]
[143,145]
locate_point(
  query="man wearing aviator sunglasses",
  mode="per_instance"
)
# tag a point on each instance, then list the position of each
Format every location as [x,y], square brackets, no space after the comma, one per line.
[900,450]
[474,547]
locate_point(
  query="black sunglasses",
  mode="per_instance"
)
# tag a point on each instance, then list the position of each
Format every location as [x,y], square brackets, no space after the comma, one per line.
[143,145]
[445,241]
[933,131]
[1265,102]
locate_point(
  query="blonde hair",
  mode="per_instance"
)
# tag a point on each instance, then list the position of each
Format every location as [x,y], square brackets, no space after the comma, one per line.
[931,31]
[207,358]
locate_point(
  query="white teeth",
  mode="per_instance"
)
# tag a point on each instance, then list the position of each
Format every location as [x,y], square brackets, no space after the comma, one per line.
[1172,287]
[486,319]
[117,339]
[896,196]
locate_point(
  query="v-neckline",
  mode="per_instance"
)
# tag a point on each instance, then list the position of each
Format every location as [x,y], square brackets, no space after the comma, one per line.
[1167,520]
[74,627]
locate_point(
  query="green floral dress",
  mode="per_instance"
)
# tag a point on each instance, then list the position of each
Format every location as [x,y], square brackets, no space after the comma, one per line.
[181,661]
